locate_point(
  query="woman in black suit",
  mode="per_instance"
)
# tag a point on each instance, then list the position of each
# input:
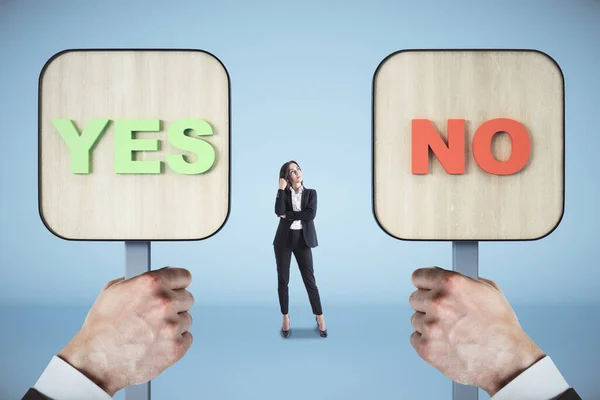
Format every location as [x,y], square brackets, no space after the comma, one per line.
[296,207]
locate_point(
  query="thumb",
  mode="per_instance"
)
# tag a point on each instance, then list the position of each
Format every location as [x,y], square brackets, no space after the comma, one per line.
[491,283]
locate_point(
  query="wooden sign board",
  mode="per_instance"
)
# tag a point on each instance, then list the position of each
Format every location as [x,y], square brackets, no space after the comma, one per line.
[468,145]
[134,145]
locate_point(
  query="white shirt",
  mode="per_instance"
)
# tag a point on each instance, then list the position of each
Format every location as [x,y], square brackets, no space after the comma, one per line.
[297,206]
[542,381]
[60,381]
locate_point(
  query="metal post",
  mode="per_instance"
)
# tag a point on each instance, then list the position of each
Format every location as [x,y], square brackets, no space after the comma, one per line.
[137,262]
[465,260]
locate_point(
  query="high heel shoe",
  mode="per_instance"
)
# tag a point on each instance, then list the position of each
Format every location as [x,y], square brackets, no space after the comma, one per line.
[322,333]
[284,333]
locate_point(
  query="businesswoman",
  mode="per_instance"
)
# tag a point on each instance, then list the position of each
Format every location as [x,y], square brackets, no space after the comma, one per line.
[296,207]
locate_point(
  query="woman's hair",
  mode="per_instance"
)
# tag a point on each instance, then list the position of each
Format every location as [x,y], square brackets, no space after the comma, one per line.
[283,172]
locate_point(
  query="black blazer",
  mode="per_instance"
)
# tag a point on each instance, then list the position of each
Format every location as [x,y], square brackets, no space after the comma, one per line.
[33,394]
[283,206]
[570,394]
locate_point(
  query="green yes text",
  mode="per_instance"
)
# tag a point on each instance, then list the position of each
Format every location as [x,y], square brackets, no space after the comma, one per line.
[81,143]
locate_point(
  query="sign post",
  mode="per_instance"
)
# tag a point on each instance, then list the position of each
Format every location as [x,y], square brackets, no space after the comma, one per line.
[134,146]
[137,262]
[465,260]
[468,146]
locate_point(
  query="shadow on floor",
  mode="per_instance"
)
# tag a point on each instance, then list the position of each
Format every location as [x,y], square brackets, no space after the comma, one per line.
[303,333]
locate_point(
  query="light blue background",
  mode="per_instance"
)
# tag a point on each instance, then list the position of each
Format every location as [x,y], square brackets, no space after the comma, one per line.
[301,76]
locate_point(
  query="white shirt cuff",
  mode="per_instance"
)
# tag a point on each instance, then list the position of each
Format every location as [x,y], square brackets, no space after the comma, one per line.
[60,381]
[541,381]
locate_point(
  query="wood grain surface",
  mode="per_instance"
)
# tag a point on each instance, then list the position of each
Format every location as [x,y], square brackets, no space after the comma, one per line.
[479,85]
[133,84]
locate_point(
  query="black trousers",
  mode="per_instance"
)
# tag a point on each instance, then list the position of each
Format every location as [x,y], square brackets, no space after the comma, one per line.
[303,255]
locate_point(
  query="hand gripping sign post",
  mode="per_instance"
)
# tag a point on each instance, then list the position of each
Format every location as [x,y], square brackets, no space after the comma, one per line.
[468,146]
[134,146]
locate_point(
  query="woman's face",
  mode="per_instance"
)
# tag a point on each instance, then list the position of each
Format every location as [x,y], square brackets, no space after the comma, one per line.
[294,174]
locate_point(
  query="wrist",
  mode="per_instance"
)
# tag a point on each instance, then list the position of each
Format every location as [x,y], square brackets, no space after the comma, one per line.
[519,362]
[89,364]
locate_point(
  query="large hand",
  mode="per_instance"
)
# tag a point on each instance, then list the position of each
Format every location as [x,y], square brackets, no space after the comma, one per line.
[282,183]
[467,330]
[135,330]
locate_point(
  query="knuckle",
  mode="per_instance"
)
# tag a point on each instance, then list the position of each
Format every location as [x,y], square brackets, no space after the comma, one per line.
[450,280]
[150,281]
[433,328]
[164,304]
[171,328]
[438,302]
